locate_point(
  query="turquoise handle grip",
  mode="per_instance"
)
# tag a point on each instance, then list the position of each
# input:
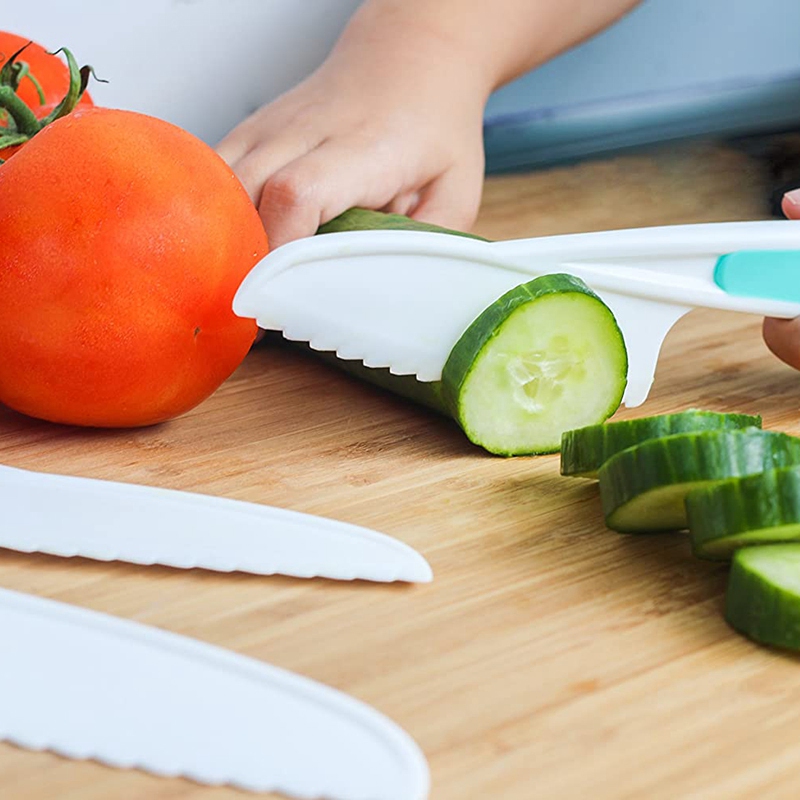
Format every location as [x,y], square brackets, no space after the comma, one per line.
[771,274]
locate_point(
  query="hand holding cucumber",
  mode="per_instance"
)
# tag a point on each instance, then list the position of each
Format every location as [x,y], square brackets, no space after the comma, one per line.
[393,118]
[783,336]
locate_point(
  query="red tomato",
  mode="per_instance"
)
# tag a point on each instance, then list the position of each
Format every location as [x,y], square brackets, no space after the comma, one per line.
[124,241]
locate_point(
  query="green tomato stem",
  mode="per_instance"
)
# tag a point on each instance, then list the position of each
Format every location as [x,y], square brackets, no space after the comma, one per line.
[24,119]
[25,72]
[12,139]
[22,124]
[78,79]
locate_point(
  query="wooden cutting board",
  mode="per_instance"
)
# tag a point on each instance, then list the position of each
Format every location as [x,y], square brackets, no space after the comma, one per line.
[550,658]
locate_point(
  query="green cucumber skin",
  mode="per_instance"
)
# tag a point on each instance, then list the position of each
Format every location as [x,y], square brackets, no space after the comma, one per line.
[428,394]
[585,450]
[407,386]
[758,607]
[765,505]
[486,326]
[688,458]
[362,219]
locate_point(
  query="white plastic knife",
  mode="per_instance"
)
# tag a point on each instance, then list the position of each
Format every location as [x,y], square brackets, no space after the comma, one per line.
[106,520]
[402,299]
[90,686]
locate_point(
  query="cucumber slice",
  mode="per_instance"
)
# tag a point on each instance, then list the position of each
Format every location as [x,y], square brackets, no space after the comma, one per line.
[758,509]
[546,356]
[585,450]
[763,597]
[643,488]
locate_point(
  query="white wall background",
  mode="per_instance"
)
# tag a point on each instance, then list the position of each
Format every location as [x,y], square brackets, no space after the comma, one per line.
[668,46]
[202,64]
[206,64]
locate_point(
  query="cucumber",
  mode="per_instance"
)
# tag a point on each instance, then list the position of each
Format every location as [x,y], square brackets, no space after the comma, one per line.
[763,596]
[545,357]
[424,393]
[758,509]
[362,219]
[643,488]
[585,450]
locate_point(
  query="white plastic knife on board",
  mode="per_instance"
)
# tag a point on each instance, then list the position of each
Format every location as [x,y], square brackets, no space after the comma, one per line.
[106,520]
[90,686]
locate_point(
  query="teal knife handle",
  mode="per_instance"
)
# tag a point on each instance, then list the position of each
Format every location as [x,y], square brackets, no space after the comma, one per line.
[771,274]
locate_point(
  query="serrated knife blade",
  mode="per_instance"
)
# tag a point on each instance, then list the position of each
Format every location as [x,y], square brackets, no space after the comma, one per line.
[107,520]
[91,686]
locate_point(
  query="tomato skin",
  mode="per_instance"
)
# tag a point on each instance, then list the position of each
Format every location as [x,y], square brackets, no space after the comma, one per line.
[124,241]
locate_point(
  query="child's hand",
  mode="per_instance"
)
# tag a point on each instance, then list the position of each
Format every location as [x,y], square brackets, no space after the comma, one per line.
[368,129]
[393,118]
[783,335]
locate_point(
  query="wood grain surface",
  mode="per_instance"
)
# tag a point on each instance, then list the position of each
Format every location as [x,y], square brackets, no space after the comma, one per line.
[550,658]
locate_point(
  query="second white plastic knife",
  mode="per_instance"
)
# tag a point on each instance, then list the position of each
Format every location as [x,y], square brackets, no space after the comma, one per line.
[88,685]
[109,521]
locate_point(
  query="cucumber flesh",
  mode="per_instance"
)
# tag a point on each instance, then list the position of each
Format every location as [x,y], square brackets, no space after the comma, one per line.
[546,357]
[585,450]
[658,509]
[644,487]
[759,509]
[763,596]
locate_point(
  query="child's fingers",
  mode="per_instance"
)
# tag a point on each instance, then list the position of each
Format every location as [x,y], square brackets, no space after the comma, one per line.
[404,203]
[783,339]
[272,123]
[322,184]
[257,166]
[782,336]
[233,147]
[790,205]
[452,200]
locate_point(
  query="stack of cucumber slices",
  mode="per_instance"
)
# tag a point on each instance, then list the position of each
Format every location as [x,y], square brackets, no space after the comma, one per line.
[732,485]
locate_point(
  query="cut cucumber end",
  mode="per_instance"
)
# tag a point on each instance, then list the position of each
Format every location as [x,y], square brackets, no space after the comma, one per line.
[658,510]
[546,357]
[585,450]
[763,597]
[723,548]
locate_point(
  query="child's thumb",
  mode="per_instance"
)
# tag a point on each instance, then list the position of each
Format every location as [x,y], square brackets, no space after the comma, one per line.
[783,338]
